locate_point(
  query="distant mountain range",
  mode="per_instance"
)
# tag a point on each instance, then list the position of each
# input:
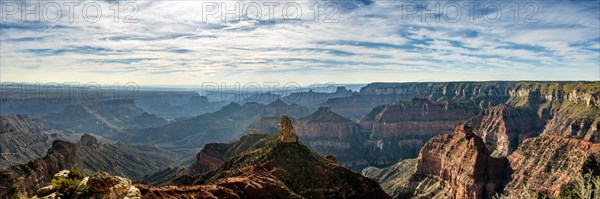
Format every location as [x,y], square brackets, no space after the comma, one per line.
[439,139]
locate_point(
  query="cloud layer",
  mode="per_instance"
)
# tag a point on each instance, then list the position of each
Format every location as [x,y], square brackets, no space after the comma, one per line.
[349,41]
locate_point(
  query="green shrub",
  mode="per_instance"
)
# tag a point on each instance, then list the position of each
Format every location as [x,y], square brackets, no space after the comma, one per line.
[75,173]
[68,187]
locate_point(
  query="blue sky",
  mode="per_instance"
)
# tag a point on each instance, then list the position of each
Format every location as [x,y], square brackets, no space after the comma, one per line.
[181,43]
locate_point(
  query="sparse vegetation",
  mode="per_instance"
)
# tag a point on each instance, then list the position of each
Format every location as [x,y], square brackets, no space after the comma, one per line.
[583,186]
[69,186]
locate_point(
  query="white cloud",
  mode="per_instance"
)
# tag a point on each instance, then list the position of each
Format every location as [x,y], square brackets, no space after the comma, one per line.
[172,45]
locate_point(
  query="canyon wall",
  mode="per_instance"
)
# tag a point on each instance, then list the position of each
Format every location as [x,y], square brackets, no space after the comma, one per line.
[460,166]
[23,139]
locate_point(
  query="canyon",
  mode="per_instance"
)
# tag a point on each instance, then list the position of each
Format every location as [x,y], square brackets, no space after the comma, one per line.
[281,167]
[442,139]
[89,155]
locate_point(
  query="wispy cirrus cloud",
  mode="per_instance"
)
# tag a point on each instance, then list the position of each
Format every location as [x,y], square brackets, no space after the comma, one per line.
[173,42]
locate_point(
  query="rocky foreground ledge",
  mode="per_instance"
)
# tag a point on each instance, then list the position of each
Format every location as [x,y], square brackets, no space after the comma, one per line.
[72,184]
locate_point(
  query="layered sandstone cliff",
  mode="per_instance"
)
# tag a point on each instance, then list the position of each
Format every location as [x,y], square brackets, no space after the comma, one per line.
[278,108]
[503,127]
[548,165]
[462,164]
[417,117]
[89,155]
[23,139]
[449,166]
[325,123]
[214,154]
[459,166]
[21,179]
[398,131]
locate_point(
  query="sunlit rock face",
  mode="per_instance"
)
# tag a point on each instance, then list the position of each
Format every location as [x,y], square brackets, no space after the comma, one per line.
[286,131]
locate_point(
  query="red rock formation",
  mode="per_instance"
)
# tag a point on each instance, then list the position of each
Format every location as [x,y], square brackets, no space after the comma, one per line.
[547,164]
[503,127]
[324,123]
[278,108]
[461,163]
[213,155]
[210,157]
[277,169]
[88,155]
[286,131]
[23,178]
[417,117]
[23,139]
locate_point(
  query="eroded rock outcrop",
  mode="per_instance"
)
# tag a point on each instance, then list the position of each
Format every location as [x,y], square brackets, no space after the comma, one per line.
[570,107]
[19,180]
[504,127]
[548,164]
[449,166]
[325,123]
[278,108]
[214,154]
[277,169]
[463,165]
[331,134]
[98,185]
[286,131]
[23,139]
[89,155]
[417,117]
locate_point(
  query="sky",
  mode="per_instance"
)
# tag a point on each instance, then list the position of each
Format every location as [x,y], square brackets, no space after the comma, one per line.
[190,42]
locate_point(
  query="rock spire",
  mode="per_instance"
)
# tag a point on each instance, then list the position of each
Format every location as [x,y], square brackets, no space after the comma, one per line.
[286,131]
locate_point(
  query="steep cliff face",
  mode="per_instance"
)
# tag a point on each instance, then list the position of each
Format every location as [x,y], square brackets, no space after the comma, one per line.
[89,155]
[449,166]
[21,179]
[287,134]
[548,164]
[398,131]
[576,115]
[278,108]
[503,127]
[372,95]
[276,169]
[417,117]
[131,161]
[331,134]
[23,139]
[462,164]
[571,109]
[383,136]
[325,123]
[313,98]
[541,96]
[397,180]
[458,166]
[213,155]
